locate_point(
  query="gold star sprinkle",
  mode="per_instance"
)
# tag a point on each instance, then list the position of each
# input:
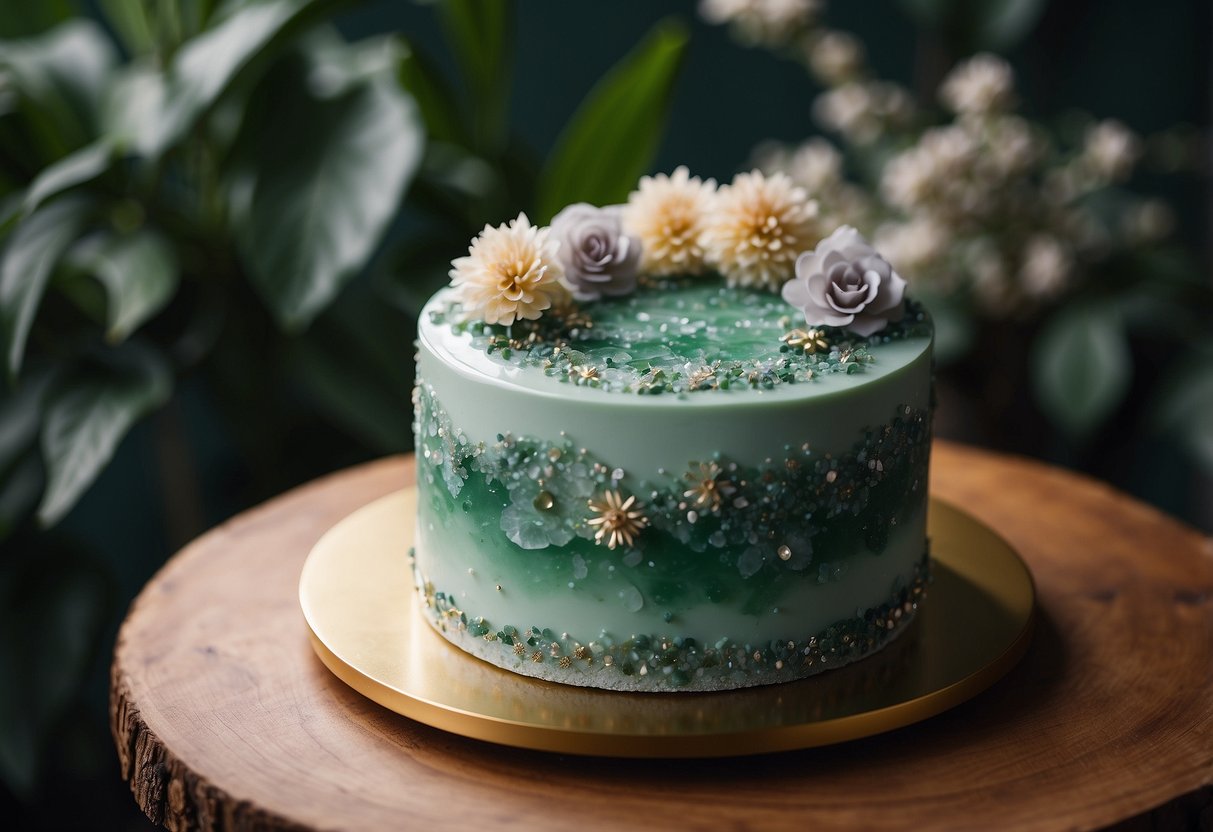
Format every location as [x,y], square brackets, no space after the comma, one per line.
[619,521]
[585,372]
[519,649]
[707,489]
[810,340]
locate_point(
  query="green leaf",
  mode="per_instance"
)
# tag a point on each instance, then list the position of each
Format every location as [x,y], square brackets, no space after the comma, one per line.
[1183,406]
[61,77]
[319,208]
[139,272]
[84,165]
[973,25]
[132,112]
[33,249]
[1082,367]
[20,415]
[20,488]
[424,81]
[1001,24]
[612,138]
[22,18]
[359,331]
[206,66]
[481,35]
[129,19]
[86,419]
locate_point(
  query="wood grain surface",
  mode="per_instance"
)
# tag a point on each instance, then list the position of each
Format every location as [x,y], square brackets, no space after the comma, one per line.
[224,719]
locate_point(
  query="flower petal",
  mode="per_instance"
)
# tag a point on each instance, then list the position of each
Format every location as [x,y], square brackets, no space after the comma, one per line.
[796,292]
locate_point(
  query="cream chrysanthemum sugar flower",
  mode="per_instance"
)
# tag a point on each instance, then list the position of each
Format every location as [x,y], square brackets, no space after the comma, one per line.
[510,273]
[667,214]
[756,228]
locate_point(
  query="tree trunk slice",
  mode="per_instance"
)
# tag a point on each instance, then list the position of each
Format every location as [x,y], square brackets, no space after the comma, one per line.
[224,719]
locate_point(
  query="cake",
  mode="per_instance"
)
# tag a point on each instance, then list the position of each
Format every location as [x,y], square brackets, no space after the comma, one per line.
[671,455]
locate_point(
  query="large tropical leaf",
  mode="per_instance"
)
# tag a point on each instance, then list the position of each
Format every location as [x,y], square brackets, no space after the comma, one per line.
[1182,410]
[481,36]
[317,209]
[33,249]
[60,77]
[139,272]
[84,165]
[207,65]
[89,415]
[435,98]
[22,18]
[613,136]
[1082,366]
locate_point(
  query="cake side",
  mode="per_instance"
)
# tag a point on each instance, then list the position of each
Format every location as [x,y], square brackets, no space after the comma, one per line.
[775,521]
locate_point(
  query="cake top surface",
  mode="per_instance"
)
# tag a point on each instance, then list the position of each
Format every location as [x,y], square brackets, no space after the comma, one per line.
[687,289]
[694,339]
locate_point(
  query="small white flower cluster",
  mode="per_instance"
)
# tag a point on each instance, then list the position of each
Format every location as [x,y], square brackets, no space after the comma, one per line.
[762,22]
[750,231]
[987,204]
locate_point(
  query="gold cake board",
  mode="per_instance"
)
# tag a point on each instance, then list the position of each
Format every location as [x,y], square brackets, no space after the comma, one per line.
[357,595]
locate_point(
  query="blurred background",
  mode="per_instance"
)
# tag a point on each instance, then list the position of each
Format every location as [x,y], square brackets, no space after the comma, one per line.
[218,221]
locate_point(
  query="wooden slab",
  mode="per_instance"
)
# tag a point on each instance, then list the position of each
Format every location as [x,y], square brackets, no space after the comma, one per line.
[224,719]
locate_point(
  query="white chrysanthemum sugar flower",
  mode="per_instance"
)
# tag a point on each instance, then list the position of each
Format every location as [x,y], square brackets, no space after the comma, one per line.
[1046,267]
[1111,150]
[757,227]
[510,273]
[982,85]
[667,214]
[767,22]
[835,57]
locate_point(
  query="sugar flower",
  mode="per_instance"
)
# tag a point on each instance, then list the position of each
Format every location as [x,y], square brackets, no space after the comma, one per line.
[981,85]
[597,256]
[667,214]
[846,283]
[757,227]
[510,273]
[618,521]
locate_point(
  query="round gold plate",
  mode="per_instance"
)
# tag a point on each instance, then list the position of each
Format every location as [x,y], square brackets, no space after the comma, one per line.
[357,595]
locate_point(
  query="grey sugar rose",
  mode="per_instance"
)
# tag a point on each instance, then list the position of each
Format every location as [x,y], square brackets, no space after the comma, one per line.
[598,258]
[844,282]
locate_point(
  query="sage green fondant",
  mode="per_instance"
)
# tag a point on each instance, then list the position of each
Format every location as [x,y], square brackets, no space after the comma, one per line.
[823,522]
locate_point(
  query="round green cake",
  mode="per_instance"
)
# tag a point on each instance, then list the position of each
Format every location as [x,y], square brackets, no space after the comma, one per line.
[684,488]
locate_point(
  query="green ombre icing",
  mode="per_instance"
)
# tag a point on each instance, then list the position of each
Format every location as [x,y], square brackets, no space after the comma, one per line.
[706,527]
[681,336]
